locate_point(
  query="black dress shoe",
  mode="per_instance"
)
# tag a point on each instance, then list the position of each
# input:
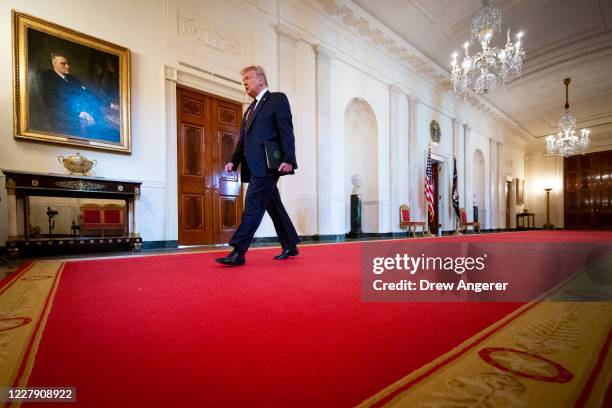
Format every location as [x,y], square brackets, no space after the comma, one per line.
[287,253]
[234,258]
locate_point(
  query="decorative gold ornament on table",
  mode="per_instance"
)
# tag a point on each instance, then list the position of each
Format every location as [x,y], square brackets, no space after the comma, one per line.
[77,163]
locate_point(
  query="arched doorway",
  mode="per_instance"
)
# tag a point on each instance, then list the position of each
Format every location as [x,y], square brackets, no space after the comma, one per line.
[361,157]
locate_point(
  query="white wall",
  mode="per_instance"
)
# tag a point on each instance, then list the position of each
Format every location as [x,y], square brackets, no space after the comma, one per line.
[146,162]
[514,167]
[544,172]
[279,35]
[300,191]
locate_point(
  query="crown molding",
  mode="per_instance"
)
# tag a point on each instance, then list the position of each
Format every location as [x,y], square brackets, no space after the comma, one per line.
[380,36]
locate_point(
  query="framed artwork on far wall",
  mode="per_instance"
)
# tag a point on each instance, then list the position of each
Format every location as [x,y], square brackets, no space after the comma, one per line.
[520,191]
[69,87]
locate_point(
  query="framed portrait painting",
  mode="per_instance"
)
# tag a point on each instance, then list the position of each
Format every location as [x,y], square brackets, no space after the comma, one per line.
[520,191]
[69,87]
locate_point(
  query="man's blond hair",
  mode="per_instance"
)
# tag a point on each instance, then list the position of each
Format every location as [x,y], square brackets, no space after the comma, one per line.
[258,70]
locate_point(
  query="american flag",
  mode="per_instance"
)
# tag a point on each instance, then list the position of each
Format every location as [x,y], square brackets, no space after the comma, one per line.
[429,186]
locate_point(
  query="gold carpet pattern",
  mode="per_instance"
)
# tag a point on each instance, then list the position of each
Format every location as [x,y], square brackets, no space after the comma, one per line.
[25,303]
[550,353]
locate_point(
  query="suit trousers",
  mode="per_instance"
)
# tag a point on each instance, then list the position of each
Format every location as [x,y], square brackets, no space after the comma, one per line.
[262,195]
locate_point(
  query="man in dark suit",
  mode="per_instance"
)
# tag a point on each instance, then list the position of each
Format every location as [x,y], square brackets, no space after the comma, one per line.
[268,118]
[70,105]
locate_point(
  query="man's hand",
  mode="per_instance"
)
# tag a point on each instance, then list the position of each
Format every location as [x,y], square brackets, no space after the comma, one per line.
[88,118]
[229,167]
[285,168]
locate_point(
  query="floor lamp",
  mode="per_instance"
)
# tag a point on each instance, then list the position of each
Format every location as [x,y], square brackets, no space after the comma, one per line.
[548,225]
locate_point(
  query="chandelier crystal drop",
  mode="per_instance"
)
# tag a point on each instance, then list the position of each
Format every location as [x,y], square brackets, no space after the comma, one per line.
[491,66]
[566,142]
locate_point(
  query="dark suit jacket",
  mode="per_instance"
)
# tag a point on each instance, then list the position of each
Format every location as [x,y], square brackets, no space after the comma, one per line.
[64,100]
[271,120]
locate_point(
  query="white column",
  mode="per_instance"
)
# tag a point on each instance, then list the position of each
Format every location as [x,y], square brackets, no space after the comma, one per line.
[501,182]
[459,152]
[468,169]
[324,145]
[136,215]
[287,45]
[416,166]
[397,166]
[171,192]
[287,52]
[492,216]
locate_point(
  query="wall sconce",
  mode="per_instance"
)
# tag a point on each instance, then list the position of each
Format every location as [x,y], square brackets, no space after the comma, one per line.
[548,225]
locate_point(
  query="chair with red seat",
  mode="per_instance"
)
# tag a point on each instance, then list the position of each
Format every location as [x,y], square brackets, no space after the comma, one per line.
[406,222]
[465,224]
[113,220]
[105,220]
[90,219]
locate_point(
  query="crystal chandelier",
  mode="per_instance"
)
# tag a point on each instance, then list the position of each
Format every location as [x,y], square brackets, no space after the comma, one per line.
[483,71]
[566,143]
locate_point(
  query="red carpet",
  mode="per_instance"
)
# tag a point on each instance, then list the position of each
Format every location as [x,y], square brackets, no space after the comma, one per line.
[180,331]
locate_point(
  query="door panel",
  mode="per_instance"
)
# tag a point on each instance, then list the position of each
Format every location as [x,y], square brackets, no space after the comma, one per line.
[192,144]
[195,201]
[588,191]
[210,200]
[194,211]
[228,200]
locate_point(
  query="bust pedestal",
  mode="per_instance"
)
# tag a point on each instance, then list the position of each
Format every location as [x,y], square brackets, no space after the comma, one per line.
[356,231]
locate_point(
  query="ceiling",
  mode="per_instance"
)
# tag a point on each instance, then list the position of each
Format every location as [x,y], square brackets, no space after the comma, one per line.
[563,38]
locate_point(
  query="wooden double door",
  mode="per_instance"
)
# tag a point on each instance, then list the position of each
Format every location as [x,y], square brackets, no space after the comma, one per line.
[210,200]
[588,191]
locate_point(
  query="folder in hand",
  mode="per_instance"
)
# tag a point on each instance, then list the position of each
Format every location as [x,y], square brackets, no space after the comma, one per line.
[274,155]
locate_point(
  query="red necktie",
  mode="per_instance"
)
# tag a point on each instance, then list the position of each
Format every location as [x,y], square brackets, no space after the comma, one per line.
[249,117]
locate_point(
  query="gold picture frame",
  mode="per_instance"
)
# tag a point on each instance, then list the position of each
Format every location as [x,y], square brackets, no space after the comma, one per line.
[69,87]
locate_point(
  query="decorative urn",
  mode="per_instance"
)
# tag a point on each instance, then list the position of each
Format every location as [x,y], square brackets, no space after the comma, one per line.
[77,163]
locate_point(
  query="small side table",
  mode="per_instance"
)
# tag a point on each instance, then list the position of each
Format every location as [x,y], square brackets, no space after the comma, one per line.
[530,221]
[21,185]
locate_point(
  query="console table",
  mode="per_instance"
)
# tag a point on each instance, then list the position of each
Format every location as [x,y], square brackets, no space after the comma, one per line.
[530,221]
[21,184]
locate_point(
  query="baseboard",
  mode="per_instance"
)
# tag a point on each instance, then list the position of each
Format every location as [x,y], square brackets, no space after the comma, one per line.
[364,236]
[303,238]
[159,244]
[263,241]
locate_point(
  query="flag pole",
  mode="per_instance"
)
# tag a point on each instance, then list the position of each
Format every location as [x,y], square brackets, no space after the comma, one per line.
[428,229]
[455,186]
[456,231]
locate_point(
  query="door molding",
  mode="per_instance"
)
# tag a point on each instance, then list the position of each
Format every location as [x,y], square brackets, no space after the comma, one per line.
[174,77]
